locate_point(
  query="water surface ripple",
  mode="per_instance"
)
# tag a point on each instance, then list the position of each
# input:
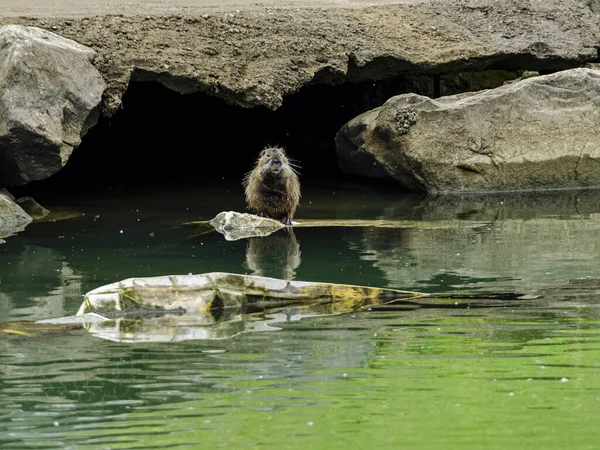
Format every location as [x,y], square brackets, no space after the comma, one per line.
[482,374]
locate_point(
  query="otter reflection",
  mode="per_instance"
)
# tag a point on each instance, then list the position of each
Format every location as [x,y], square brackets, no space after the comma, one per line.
[276,255]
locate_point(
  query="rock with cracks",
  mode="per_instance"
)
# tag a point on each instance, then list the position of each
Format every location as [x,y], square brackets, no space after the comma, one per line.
[539,133]
[50,97]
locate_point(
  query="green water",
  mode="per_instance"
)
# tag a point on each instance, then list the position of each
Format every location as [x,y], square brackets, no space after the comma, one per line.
[497,374]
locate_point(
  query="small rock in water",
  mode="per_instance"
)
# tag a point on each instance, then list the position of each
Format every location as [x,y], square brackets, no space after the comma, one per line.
[310,424]
[511,394]
[33,208]
[564,380]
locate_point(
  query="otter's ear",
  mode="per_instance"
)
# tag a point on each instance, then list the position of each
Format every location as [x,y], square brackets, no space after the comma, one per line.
[262,152]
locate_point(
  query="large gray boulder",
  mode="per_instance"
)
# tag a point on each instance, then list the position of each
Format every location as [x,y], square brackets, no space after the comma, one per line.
[539,133]
[12,217]
[49,97]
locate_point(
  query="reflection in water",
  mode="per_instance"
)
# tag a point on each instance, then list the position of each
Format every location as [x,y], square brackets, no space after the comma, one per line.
[276,255]
[520,375]
[517,242]
[37,282]
[416,377]
[493,243]
[6,232]
[224,323]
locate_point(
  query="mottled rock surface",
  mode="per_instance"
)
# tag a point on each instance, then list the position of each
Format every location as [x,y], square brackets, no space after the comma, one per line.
[250,55]
[50,93]
[539,133]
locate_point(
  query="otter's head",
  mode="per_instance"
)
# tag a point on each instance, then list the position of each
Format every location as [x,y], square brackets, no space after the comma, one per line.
[273,160]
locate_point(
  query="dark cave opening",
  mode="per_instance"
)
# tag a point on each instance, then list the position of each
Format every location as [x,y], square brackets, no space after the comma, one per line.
[161,137]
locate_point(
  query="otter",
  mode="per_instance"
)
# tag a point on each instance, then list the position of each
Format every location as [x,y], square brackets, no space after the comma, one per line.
[272,188]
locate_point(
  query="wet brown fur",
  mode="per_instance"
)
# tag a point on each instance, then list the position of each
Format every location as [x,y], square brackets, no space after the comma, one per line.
[273,194]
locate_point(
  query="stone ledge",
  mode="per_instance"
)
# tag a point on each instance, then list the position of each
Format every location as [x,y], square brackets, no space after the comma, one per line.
[258,56]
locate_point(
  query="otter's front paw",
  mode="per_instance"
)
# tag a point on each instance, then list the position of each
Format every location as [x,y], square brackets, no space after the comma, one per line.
[287,221]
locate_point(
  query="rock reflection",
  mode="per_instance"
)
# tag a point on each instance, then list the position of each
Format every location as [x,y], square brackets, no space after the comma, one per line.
[276,256]
[493,242]
[523,206]
[525,240]
[227,323]
[8,232]
[39,282]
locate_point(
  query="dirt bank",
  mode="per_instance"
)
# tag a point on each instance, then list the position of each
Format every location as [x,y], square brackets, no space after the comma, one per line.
[79,8]
[257,55]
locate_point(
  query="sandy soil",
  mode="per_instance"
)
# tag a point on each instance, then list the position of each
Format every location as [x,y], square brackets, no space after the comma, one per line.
[80,8]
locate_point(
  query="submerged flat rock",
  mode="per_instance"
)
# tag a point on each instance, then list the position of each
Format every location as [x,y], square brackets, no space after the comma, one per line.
[215,305]
[153,309]
[235,226]
[197,294]
[376,223]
